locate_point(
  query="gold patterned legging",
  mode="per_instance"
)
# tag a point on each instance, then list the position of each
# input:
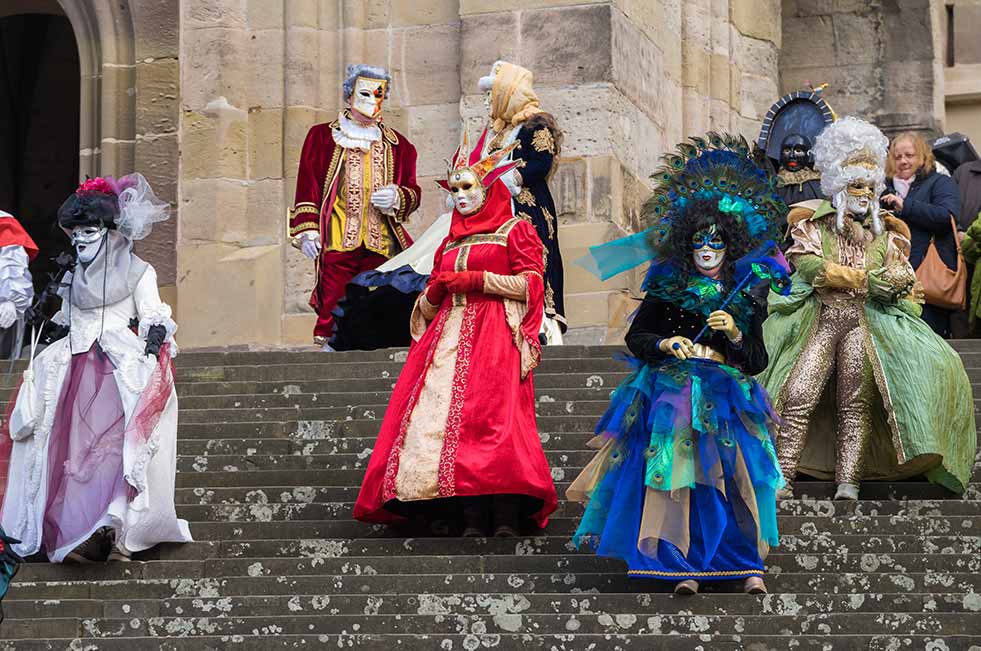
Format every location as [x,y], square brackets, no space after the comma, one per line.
[839,343]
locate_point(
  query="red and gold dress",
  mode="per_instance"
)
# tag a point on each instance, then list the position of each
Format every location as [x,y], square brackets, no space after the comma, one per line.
[461,421]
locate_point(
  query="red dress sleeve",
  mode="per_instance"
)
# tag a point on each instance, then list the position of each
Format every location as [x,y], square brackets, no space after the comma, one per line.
[526,257]
[305,214]
[410,194]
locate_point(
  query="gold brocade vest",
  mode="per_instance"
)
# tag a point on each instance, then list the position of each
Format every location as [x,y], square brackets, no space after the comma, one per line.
[354,221]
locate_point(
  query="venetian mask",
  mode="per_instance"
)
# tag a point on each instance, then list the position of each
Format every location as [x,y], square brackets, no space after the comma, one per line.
[795,153]
[859,196]
[708,249]
[368,96]
[87,241]
[466,190]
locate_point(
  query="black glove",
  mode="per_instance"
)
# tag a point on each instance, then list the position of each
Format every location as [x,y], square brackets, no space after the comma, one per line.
[154,340]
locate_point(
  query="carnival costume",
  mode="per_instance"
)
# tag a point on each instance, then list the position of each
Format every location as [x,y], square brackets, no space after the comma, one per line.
[787,136]
[683,486]
[94,423]
[516,117]
[17,251]
[461,421]
[355,189]
[849,337]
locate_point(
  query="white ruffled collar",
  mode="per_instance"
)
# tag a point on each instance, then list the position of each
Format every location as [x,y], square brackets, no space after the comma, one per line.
[352,135]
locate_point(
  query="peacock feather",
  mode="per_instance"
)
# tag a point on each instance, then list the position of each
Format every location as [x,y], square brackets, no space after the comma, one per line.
[717,166]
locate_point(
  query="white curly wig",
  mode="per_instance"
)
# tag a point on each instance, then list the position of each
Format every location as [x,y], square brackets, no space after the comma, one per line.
[838,145]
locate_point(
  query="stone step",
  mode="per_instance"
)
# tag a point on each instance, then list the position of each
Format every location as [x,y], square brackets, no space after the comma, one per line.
[493,605]
[638,622]
[583,584]
[529,546]
[560,526]
[674,641]
[473,565]
[208,474]
[297,494]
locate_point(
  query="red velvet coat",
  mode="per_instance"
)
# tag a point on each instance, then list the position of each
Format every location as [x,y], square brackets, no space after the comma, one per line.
[318,178]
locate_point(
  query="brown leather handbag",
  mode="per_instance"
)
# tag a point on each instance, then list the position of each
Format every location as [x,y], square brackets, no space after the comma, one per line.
[942,286]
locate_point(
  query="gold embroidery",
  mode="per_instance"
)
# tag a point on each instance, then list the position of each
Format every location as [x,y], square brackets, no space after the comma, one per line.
[543,141]
[304,207]
[460,264]
[549,298]
[549,222]
[526,198]
[497,142]
[331,178]
[499,237]
[303,227]
[523,216]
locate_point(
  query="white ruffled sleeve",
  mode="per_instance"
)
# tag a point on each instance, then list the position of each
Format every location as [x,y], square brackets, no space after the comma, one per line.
[150,309]
[16,285]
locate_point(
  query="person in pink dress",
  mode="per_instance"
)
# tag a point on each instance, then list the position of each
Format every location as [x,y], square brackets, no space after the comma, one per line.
[459,442]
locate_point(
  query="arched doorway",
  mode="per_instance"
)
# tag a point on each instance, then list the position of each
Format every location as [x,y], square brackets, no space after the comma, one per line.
[40,85]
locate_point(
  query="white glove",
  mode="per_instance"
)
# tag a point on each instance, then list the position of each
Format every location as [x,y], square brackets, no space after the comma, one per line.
[386,199]
[310,244]
[8,314]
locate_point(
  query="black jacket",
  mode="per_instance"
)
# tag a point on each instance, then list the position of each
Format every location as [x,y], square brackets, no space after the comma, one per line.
[657,319]
[931,202]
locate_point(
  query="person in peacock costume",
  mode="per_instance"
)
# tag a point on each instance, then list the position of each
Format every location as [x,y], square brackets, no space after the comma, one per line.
[683,485]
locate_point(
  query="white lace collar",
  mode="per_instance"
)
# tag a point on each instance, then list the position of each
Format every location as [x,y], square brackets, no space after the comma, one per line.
[351,135]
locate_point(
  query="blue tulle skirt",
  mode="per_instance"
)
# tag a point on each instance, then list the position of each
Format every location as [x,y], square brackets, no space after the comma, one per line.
[684,484]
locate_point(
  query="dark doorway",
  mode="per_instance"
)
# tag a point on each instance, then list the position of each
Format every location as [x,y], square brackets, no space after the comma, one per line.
[39,127]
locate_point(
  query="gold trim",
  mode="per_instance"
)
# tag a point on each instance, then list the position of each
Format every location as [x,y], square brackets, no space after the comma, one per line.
[722,573]
[526,198]
[460,264]
[543,141]
[330,179]
[303,227]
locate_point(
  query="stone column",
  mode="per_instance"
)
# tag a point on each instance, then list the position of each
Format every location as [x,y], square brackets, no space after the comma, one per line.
[230,252]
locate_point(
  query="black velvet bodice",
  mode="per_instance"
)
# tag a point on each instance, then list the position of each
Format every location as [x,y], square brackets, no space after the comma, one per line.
[658,319]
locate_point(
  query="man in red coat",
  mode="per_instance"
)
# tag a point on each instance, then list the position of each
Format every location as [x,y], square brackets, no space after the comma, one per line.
[17,250]
[355,189]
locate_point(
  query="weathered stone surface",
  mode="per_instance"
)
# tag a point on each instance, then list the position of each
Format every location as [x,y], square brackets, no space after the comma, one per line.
[215,143]
[424,12]
[156,28]
[485,39]
[469,7]
[573,44]
[425,71]
[637,67]
[967,47]
[758,19]
[157,103]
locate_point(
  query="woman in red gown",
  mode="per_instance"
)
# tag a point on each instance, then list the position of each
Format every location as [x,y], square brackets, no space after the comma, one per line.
[459,437]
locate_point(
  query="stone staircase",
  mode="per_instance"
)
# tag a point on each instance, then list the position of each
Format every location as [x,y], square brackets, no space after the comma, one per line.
[272,450]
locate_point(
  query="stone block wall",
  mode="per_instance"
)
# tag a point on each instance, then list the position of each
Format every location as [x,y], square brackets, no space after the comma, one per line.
[626,79]
[883,60]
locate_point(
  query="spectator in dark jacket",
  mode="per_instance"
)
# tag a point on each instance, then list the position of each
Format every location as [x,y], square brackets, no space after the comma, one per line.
[926,201]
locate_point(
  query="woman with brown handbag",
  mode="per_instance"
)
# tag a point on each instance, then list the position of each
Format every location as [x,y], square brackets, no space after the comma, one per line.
[929,204]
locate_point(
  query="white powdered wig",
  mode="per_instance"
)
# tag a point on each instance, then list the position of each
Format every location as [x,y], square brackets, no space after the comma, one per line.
[842,140]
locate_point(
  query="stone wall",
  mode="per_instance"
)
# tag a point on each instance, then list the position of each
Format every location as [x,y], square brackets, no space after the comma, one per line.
[626,79]
[882,59]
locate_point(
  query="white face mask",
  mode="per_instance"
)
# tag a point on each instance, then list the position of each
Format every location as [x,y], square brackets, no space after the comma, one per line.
[88,241]
[708,249]
[467,192]
[368,96]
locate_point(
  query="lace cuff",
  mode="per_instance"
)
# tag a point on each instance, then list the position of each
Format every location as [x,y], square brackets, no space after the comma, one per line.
[15,279]
[156,315]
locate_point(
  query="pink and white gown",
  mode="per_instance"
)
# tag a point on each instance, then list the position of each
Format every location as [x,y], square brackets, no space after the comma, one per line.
[103,448]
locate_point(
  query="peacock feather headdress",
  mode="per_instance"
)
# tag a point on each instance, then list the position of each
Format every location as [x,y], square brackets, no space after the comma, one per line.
[716,168]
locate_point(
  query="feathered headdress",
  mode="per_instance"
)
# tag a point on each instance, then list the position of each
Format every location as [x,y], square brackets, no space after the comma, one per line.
[487,170]
[716,168]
